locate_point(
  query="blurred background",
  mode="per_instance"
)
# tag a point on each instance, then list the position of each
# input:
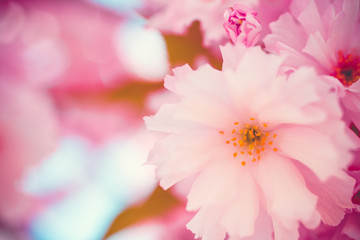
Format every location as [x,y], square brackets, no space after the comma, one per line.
[76,79]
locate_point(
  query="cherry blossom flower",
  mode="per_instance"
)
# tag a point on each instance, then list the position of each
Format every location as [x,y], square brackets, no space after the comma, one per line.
[266,149]
[326,37]
[241,25]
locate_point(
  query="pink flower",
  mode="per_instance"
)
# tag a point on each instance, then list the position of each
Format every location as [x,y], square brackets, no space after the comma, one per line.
[80,52]
[266,150]
[324,36]
[59,43]
[241,25]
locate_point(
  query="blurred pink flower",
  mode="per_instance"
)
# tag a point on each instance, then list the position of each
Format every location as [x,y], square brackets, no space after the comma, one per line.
[75,48]
[265,149]
[326,36]
[241,25]
[28,133]
[56,43]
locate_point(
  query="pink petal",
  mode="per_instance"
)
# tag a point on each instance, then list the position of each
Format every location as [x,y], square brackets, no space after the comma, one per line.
[317,48]
[352,226]
[160,121]
[247,79]
[263,227]
[302,144]
[293,105]
[193,149]
[207,190]
[241,214]
[287,198]
[334,195]
[311,20]
[294,36]
[205,224]
[284,233]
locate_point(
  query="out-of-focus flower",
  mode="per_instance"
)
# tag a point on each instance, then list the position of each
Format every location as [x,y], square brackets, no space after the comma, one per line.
[241,25]
[326,37]
[28,133]
[62,71]
[267,150]
[80,54]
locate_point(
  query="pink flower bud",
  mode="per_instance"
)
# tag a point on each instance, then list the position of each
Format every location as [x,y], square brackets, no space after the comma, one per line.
[241,25]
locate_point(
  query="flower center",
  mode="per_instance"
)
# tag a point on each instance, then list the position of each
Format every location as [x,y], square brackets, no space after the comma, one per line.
[348,69]
[250,140]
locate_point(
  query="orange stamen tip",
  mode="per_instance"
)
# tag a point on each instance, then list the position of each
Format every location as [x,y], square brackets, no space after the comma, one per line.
[249,152]
[242,152]
[270,143]
[275,149]
[267,134]
[234,144]
[236,123]
[274,136]
[252,119]
[265,125]
[233,131]
[254,159]
[235,154]
[221,132]
[243,163]
[228,142]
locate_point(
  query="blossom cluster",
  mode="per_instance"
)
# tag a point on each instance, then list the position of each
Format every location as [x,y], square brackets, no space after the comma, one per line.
[255,135]
[266,146]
